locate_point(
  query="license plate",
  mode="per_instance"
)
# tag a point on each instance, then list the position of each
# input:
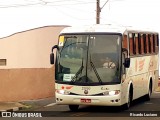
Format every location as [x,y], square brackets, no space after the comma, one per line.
[85,100]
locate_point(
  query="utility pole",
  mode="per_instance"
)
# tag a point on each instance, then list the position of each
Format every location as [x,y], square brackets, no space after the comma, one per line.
[98,12]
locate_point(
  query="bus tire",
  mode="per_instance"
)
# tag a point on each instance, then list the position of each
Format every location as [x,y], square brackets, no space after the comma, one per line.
[73,107]
[129,100]
[148,96]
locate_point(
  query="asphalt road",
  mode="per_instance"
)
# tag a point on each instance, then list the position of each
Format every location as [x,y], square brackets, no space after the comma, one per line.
[139,108]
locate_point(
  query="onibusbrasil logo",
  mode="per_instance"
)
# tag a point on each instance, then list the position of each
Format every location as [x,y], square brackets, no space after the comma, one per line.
[21,114]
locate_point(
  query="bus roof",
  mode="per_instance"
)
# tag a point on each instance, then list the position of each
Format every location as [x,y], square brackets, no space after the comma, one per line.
[101,28]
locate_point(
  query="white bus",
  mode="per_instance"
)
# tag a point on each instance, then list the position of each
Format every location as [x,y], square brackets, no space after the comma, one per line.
[105,65]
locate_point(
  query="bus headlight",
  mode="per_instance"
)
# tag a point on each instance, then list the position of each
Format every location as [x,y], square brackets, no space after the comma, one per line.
[63,92]
[113,92]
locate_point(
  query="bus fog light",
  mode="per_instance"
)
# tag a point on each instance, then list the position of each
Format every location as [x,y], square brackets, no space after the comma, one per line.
[112,101]
[116,100]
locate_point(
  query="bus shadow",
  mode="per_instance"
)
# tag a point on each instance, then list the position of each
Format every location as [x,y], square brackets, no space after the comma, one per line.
[110,109]
[101,109]
[139,101]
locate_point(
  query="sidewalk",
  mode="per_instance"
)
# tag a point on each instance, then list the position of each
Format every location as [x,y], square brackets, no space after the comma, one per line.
[10,106]
[26,105]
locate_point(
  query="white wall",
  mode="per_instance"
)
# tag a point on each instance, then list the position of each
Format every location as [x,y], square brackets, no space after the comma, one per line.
[29,49]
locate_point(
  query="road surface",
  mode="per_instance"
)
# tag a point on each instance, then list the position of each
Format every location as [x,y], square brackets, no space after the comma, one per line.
[139,108]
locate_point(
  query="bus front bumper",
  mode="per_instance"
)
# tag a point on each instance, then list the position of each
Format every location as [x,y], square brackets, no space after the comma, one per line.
[88,100]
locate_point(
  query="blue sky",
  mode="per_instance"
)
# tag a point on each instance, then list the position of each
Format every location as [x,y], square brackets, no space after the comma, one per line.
[21,15]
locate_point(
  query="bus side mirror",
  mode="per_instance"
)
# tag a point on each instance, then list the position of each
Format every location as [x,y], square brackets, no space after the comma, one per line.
[52,54]
[127,62]
[125,50]
[52,58]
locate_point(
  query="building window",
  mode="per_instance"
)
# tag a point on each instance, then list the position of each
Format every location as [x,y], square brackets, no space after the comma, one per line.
[3,62]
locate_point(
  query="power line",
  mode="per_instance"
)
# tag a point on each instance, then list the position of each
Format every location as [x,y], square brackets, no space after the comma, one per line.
[59,3]
[19,5]
[104,4]
[63,4]
[82,10]
[53,3]
[72,16]
[47,3]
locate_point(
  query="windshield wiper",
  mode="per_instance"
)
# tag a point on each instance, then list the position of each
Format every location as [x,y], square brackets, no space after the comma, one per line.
[94,69]
[78,73]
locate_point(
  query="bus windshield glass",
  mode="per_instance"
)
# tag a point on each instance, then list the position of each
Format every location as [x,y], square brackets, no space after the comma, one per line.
[88,59]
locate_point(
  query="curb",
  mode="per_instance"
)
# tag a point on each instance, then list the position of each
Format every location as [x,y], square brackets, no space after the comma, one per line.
[12,109]
[7,112]
[26,105]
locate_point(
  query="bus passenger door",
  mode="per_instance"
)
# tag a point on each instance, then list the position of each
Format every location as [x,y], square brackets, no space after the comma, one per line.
[123,68]
[124,85]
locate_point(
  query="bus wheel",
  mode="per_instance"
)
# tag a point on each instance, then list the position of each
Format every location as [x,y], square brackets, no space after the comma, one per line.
[128,104]
[148,96]
[73,107]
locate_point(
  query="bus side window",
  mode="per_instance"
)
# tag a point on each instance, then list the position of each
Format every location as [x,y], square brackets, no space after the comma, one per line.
[149,43]
[154,43]
[124,54]
[142,44]
[125,42]
[139,44]
[145,43]
[150,40]
[157,40]
[157,43]
[130,44]
[134,43]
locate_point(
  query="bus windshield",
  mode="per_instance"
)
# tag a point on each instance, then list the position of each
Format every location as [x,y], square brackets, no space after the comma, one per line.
[88,59]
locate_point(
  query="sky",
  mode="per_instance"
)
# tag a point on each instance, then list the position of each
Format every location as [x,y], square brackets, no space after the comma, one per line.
[21,15]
